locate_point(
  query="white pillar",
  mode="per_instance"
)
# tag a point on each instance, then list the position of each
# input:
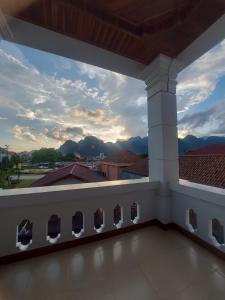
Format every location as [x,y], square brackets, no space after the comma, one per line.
[160,78]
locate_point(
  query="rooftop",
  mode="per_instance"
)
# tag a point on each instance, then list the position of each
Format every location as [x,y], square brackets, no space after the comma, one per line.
[144,264]
[74,170]
[203,169]
[139,168]
[122,157]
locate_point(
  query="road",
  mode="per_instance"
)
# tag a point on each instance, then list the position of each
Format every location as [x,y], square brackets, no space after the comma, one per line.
[27,176]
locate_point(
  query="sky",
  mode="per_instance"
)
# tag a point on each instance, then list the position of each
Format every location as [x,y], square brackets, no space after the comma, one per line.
[47,99]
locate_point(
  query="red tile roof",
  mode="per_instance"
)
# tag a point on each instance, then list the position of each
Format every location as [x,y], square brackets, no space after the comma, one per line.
[122,157]
[205,169]
[75,170]
[209,150]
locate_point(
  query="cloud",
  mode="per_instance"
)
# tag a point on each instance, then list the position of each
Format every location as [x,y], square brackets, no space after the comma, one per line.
[197,119]
[197,82]
[208,122]
[40,99]
[76,99]
[22,133]
[26,113]
[63,135]
[98,116]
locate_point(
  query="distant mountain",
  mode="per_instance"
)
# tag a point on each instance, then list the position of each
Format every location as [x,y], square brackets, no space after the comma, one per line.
[191,142]
[92,146]
[69,147]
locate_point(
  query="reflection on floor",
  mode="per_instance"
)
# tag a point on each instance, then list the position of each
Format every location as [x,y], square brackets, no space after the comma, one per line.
[145,264]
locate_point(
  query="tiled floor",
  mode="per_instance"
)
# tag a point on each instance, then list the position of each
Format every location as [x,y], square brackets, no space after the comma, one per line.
[142,265]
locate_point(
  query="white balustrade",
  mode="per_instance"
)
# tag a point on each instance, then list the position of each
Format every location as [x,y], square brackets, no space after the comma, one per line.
[207,203]
[38,217]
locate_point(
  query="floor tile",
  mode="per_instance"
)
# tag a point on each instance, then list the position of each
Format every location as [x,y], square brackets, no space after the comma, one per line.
[144,264]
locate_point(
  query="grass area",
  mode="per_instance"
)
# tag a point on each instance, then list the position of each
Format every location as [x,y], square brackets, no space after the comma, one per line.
[23,183]
[36,171]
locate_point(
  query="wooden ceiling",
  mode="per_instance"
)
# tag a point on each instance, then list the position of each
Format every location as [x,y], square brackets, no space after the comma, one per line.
[137,29]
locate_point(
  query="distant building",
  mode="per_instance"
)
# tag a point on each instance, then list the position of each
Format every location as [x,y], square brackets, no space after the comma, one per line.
[70,174]
[3,154]
[113,165]
[25,156]
[137,170]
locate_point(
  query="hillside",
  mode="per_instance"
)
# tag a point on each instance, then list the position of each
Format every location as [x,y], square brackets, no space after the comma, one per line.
[92,146]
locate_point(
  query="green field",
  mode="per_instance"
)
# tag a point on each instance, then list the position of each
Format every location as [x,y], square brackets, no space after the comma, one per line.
[23,183]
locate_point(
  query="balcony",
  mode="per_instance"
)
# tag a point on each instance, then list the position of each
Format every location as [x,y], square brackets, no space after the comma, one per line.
[139,258]
[157,238]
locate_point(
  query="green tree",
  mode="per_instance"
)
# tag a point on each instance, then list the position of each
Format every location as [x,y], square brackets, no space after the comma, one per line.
[15,160]
[45,155]
[2,178]
[5,163]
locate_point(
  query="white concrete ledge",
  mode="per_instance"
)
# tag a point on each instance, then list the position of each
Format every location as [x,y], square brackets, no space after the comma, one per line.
[49,194]
[198,191]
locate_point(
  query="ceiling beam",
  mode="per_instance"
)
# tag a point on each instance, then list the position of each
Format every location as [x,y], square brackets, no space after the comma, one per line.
[46,40]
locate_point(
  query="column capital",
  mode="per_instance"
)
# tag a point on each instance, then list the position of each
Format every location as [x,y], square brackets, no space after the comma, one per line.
[161,75]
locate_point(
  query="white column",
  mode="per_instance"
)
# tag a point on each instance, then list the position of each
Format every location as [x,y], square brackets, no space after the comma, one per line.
[160,78]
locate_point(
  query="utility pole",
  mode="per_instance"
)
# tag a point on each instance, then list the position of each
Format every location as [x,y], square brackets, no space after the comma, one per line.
[7,165]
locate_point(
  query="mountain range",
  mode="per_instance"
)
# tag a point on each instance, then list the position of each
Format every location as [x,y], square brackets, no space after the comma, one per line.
[92,146]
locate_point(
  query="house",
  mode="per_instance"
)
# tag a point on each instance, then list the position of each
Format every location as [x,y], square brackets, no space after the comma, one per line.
[202,169]
[113,165]
[136,170]
[70,174]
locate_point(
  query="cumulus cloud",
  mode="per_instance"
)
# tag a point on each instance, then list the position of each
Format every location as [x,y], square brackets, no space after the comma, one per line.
[21,133]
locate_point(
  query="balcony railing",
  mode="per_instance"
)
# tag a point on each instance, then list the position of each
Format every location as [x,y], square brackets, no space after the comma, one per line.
[201,210]
[37,218]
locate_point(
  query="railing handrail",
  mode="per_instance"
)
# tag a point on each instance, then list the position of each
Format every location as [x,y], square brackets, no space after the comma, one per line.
[50,194]
[199,191]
